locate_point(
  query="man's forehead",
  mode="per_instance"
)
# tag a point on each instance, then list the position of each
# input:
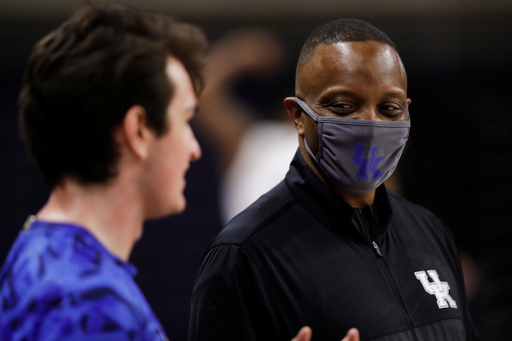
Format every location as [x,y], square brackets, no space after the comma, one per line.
[343,53]
[348,58]
[180,78]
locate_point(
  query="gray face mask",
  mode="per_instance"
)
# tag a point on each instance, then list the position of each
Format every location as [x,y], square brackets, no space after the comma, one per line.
[357,155]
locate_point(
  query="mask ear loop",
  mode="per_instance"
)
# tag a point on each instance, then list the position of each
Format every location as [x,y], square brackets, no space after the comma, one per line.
[307,110]
[409,114]
[314,116]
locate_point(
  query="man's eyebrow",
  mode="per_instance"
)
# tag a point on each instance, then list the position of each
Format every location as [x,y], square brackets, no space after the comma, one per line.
[395,93]
[339,91]
[334,92]
[344,91]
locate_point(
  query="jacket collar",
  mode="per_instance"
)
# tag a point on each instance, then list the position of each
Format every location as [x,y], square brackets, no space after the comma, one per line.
[327,207]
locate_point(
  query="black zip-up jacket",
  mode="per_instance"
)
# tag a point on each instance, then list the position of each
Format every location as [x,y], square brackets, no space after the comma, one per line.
[302,256]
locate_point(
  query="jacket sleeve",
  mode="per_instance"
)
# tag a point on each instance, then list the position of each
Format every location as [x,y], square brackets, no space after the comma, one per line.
[471,332]
[223,301]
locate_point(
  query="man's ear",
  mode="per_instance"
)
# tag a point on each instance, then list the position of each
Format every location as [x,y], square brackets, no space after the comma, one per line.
[295,112]
[134,133]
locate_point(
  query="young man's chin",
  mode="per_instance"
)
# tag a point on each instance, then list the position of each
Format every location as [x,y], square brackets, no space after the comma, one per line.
[177,207]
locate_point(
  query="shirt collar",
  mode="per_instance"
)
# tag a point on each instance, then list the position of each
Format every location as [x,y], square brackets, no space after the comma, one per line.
[70,230]
[327,207]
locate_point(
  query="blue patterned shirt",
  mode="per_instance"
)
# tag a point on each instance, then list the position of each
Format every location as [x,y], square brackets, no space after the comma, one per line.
[60,283]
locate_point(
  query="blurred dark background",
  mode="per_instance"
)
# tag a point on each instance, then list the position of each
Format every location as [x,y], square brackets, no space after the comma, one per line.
[458,162]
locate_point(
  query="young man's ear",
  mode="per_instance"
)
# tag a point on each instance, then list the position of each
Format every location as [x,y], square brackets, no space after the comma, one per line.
[134,133]
[295,112]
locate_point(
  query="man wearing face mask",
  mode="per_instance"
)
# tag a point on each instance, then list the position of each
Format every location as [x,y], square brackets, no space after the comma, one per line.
[330,247]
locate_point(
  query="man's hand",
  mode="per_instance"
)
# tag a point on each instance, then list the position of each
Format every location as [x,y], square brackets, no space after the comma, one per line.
[305,335]
[352,335]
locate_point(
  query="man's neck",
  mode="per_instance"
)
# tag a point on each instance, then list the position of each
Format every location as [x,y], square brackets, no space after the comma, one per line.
[112,213]
[358,201]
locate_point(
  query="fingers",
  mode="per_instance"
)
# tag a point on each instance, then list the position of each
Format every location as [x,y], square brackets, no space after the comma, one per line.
[304,334]
[352,335]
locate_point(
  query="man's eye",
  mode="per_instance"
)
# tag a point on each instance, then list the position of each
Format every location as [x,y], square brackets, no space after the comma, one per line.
[342,108]
[392,109]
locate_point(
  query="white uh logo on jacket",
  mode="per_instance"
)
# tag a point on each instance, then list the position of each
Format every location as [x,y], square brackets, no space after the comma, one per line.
[438,288]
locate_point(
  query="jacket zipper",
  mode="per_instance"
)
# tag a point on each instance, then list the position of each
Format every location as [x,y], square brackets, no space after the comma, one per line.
[379,253]
[376,247]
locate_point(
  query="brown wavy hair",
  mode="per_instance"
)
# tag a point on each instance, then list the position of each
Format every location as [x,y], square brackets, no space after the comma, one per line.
[82,78]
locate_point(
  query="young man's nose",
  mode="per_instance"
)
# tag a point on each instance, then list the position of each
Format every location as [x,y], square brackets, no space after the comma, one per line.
[196,149]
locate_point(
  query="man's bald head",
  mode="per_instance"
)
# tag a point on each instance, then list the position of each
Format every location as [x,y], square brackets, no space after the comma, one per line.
[340,31]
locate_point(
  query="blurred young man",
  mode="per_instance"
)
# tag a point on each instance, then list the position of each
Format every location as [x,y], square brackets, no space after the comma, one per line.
[330,247]
[105,109]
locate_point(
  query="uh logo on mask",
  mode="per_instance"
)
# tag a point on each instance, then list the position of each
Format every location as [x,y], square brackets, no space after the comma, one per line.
[367,166]
[357,155]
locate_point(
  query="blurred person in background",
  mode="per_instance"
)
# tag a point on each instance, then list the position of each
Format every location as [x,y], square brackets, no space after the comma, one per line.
[105,108]
[330,247]
[253,148]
